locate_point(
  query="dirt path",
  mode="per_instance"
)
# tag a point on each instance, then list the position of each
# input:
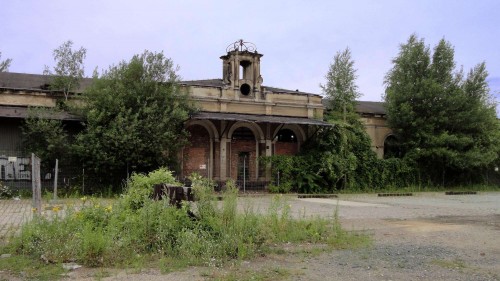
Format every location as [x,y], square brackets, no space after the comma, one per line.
[429,236]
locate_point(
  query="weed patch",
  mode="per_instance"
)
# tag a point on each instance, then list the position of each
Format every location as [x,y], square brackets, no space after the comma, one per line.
[136,231]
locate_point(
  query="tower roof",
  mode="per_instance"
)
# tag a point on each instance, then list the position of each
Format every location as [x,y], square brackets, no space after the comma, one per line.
[241,46]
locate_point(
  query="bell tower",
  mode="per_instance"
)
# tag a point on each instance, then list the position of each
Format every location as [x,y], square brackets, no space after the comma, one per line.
[241,69]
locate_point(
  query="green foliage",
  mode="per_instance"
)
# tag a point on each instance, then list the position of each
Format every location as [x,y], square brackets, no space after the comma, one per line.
[444,123]
[341,89]
[139,187]
[134,117]
[4,65]
[69,69]
[293,173]
[95,233]
[339,158]
[342,156]
[45,136]
[5,191]
[29,269]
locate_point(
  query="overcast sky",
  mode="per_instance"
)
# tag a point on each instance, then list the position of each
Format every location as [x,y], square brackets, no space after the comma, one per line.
[298,38]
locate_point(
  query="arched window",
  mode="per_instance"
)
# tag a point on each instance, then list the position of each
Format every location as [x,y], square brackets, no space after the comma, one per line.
[392,149]
[286,135]
[243,133]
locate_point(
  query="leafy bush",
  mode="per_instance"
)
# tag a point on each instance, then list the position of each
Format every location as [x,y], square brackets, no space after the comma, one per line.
[207,232]
[5,191]
[139,187]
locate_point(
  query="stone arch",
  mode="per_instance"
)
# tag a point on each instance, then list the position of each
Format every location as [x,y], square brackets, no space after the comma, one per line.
[250,149]
[391,146]
[208,125]
[297,130]
[256,130]
[198,154]
[285,147]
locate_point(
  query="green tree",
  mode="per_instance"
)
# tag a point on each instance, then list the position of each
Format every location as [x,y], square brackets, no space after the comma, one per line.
[44,135]
[342,157]
[340,88]
[443,122]
[69,69]
[4,65]
[135,114]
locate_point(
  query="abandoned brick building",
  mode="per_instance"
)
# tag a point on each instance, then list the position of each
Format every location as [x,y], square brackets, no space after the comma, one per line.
[240,120]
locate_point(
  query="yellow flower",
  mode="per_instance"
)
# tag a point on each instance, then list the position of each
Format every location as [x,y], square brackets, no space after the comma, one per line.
[34,210]
[109,208]
[56,209]
[84,198]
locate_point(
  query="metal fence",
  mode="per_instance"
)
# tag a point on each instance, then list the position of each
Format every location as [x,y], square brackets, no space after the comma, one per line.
[16,173]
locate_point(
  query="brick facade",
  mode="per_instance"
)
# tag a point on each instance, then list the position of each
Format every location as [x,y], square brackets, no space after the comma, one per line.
[286,148]
[239,147]
[196,155]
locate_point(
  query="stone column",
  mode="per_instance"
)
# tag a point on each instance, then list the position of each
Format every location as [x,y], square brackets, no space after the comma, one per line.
[223,152]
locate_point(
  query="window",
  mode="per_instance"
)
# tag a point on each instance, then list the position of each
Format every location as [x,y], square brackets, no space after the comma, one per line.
[287,135]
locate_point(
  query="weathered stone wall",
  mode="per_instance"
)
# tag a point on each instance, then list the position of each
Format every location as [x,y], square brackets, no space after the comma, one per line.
[377,129]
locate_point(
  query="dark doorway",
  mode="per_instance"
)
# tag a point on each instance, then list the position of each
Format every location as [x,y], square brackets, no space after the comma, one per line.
[243,166]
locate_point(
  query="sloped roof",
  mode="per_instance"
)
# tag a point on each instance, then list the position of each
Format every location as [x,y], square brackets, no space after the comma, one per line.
[371,107]
[364,107]
[33,82]
[39,82]
[23,112]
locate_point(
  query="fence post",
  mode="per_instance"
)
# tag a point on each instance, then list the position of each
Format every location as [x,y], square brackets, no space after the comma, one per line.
[56,174]
[83,181]
[36,183]
[244,173]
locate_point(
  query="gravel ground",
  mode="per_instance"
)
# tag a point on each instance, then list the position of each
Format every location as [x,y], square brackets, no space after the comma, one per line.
[429,236]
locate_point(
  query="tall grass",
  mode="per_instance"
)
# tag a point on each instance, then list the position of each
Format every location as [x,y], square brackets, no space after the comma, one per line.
[136,229]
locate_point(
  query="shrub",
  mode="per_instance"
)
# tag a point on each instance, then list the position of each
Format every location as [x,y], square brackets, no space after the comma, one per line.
[5,191]
[139,187]
[136,227]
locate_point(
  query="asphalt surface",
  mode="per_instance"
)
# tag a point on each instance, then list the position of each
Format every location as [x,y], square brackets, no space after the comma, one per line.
[428,236]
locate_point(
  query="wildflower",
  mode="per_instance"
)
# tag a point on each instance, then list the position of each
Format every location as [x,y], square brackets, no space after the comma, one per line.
[34,210]
[84,199]
[56,209]
[109,208]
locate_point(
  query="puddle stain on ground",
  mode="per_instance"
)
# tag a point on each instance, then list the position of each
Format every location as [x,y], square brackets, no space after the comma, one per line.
[424,226]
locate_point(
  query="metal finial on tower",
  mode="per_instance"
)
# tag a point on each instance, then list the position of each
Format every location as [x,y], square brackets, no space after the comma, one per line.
[241,46]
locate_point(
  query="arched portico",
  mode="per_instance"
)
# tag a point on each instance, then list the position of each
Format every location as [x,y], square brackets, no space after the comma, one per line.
[288,139]
[245,150]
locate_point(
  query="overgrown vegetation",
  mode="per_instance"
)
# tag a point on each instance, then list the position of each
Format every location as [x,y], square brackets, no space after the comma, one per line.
[445,129]
[4,64]
[5,191]
[133,118]
[69,69]
[446,133]
[44,134]
[339,159]
[443,121]
[136,229]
